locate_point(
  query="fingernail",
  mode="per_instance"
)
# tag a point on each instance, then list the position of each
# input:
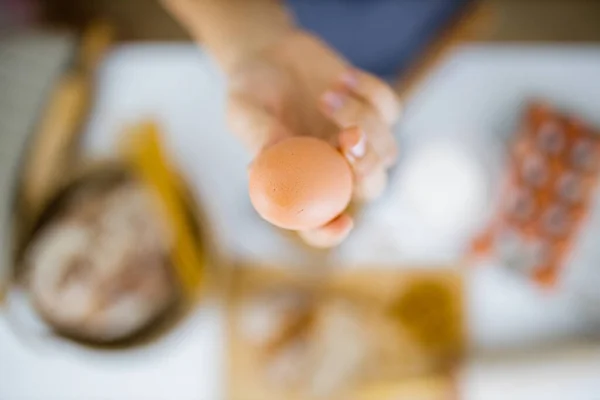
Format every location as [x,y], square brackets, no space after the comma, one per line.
[360,148]
[349,79]
[333,100]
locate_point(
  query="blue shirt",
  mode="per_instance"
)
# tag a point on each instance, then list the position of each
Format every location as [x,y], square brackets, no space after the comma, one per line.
[380,36]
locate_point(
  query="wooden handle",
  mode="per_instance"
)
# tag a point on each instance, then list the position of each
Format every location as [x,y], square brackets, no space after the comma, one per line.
[96,41]
[59,126]
[50,154]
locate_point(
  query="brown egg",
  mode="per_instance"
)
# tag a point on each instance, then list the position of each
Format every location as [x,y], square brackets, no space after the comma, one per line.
[300,183]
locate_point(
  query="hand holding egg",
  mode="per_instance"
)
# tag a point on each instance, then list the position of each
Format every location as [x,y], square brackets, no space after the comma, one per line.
[321,132]
[302,184]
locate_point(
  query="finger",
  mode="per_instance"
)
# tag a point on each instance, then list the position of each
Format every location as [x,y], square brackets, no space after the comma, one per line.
[371,186]
[253,124]
[359,153]
[383,142]
[370,175]
[346,111]
[329,235]
[375,91]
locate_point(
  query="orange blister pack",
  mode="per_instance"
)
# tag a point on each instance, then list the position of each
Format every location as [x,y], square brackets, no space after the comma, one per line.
[551,176]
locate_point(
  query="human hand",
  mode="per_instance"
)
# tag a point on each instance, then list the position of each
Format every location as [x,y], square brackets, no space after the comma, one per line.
[299,86]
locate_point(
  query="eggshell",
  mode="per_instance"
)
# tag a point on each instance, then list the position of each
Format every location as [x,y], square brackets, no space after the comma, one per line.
[300,183]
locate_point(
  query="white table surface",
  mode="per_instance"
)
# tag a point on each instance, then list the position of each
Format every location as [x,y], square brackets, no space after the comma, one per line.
[472,99]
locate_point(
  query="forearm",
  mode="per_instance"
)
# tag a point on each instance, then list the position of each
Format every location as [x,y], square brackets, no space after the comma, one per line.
[232,29]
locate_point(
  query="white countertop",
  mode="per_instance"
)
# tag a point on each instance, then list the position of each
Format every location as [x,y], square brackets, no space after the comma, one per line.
[471,100]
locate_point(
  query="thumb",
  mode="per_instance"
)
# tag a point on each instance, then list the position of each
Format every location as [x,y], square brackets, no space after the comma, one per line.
[253,124]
